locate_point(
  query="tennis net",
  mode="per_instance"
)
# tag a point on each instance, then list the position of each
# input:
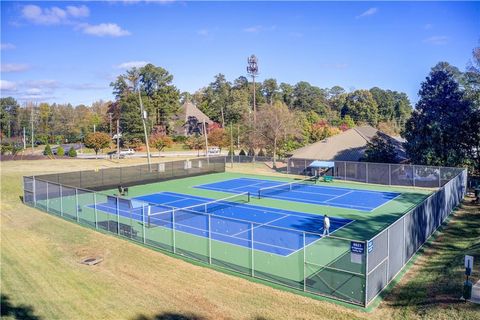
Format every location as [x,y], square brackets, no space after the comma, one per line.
[274,190]
[163,218]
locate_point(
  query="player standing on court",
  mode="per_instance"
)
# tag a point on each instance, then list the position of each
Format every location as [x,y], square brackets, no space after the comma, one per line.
[326,225]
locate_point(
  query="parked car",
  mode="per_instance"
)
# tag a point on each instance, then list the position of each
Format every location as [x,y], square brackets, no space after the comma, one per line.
[213,150]
[127,152]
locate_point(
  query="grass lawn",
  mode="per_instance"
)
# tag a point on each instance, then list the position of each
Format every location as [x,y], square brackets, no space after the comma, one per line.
[41,276]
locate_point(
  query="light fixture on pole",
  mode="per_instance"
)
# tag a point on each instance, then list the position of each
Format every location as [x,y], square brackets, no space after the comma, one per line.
[252,70]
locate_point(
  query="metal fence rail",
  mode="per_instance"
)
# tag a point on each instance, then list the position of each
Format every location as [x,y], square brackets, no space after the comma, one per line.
[322,266]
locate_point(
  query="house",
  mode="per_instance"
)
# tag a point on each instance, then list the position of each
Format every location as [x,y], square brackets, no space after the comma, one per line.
[349,145]
[189,120]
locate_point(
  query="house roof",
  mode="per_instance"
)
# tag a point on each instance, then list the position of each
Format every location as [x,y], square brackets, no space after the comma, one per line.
[188,109]
[349,145]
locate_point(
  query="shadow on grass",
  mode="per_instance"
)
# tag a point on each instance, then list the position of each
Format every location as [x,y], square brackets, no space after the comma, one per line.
[21,311]
[170,316]
[177,316]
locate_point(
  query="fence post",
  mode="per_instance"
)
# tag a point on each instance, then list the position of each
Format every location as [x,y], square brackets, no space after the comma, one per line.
[118,215]
[345,171]
[389,174]
[439,177]
[47,198]
[366,273]
[252,250]
[76,205]
[173,230]
[34,192]
[304,263]
[143,222]
[366,171]
[413,175]
[209,240]
[61,200]
[95,209]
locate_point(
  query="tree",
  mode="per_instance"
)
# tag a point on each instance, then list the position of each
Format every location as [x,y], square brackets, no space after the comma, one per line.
[440,131]
[275,124]
[97,141]
[308,97]
[161,141]
[218,137]
[9,116]
[72,153]
[270,90]
[361,106]
[380,150]
[195,142]
[60,151]
[47,151]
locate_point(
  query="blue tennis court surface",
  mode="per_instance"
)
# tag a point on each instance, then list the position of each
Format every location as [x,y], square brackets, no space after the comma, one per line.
[363,200]
[274,231]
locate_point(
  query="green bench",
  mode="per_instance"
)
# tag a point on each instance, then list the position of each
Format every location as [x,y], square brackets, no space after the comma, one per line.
[327,178]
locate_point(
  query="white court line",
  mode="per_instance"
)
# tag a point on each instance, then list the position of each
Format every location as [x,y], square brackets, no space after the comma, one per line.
[321,237]
[248,185]
[339,196]
[263,224]
[401,194]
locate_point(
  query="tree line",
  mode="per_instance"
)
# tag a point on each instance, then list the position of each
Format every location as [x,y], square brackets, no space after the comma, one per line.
[288,117]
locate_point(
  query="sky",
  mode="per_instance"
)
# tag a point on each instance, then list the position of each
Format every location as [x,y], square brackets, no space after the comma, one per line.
[70,51]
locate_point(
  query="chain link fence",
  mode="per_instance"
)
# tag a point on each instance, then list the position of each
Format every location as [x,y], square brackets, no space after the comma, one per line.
[331,266]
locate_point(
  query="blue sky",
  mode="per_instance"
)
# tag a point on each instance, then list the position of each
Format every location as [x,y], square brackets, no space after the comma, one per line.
[70,51]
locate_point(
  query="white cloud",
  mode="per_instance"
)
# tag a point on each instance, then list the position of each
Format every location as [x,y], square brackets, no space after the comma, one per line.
[78,12]
[104,30]
[14,67]
[53,15]
[437,40]
[8,85]
[259,28]
[132,64]
[34,92]
[369,12]
[7,46]
[87,86]
[50,84]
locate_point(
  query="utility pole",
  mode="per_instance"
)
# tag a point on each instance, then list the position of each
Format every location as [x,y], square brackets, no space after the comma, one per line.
[94,128]
[144,117]
[252,70]
[110,118]
[24,139]
[31,123]
[231,145]
[206,139]
[118,139]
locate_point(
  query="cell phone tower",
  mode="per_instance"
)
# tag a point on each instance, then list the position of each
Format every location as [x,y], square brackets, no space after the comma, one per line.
[252,70]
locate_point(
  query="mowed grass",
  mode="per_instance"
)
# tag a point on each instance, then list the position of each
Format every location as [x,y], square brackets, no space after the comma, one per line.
[41,276]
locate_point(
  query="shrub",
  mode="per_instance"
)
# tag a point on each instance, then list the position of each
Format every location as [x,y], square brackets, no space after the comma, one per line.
[72,153]
[251,152]
[60,151]
[242,153]
[47,151]
[261,153]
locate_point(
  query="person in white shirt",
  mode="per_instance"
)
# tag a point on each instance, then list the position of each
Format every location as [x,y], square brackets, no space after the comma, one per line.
[326,225]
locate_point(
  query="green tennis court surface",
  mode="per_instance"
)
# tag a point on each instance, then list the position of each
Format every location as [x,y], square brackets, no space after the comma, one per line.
[327,267]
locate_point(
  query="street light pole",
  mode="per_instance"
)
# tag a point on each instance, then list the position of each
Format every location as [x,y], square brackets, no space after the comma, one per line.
[144,117]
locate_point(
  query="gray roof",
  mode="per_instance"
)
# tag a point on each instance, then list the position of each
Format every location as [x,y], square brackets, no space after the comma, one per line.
[349,145]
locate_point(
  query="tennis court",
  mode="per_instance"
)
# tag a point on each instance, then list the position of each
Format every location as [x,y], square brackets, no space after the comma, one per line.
[230,220]
[305,191]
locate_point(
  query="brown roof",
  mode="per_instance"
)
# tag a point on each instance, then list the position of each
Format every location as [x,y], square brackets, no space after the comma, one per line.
[349,145]
[188,109]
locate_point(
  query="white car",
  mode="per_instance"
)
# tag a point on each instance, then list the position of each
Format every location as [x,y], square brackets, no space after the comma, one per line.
[127,152]
[213,150]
